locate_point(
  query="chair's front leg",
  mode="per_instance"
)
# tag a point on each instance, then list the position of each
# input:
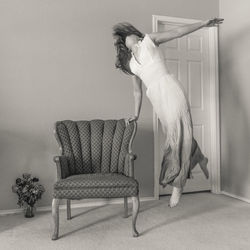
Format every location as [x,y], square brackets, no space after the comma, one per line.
[136,206]
[68,210]
[125,207]
[55,216]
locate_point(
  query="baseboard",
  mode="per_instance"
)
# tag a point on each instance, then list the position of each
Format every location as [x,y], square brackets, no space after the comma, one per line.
[235,196]
[87,203]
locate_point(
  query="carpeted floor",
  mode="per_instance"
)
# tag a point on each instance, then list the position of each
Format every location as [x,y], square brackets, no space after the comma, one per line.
[200,221]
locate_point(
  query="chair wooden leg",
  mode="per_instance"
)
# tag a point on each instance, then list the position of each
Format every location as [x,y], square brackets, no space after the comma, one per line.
[68,210]
[55,216]
[125,207]
[136,206]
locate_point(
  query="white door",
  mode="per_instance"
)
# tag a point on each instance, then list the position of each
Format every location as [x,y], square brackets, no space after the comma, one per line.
[188,59]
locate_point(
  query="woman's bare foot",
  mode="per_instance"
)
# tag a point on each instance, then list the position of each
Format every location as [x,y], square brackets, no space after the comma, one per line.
[175,197]
[203,165]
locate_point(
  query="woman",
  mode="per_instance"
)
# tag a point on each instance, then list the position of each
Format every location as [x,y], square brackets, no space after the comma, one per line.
[139,55]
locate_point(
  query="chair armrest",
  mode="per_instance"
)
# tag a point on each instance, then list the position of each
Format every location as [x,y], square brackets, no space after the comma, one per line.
[62,167]
[129,164]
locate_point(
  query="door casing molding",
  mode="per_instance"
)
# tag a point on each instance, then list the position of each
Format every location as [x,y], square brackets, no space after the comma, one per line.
[214,107]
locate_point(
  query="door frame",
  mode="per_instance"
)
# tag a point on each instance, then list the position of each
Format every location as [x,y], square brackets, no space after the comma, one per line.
[214,105]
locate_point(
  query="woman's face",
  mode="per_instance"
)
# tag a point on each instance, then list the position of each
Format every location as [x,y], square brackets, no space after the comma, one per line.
[131,40]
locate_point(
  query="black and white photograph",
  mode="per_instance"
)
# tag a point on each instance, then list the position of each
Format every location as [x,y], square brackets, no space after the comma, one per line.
[125,125]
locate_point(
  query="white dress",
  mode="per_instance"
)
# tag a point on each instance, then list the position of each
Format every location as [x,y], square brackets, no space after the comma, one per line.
[170,103]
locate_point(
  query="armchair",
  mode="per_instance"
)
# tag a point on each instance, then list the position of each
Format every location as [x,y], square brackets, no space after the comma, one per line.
[96,161]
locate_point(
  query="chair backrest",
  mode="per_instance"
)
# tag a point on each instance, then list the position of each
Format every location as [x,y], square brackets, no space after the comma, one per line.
[95,146]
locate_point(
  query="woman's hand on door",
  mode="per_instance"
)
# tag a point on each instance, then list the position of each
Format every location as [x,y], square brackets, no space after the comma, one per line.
[214,21]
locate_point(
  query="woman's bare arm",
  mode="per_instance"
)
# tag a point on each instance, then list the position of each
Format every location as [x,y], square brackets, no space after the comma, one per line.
[137,86]
[165,36]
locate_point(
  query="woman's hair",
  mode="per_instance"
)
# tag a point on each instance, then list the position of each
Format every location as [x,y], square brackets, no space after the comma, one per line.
[120,32]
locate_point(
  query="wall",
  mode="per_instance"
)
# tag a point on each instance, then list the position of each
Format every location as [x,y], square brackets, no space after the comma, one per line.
[234,97]
[57,62]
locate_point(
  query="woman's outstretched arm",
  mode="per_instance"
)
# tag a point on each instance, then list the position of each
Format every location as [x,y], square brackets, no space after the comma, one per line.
[162,37]
[137,86]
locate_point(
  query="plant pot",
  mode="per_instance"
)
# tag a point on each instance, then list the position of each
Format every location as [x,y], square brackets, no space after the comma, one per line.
[29,212]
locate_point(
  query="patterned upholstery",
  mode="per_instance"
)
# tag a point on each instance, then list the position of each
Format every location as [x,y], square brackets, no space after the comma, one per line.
[93,163]
[98,185]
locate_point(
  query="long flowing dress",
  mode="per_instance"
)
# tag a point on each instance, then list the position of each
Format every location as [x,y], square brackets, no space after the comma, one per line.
[171,105]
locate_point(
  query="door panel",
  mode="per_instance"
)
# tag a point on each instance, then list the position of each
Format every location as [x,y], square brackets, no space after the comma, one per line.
[187,58]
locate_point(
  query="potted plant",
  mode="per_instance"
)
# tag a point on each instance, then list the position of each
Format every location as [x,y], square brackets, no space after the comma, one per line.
[28,191]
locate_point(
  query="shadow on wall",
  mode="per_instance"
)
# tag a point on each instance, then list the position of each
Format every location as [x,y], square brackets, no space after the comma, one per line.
[143,147]
[234,113]
[24,152]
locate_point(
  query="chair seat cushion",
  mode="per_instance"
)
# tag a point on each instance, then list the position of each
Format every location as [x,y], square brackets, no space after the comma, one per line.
[97,185]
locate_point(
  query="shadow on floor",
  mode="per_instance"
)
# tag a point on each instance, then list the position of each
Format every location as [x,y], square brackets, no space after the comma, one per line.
[87,211]
[180,213]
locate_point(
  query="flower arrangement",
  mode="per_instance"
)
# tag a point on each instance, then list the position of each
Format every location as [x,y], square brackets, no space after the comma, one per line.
[28,191]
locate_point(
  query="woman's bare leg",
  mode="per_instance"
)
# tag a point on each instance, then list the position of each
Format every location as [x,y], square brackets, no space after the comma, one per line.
[198,157]
[179,182]
[184,150]
[203,165]
[170,165]
[169,170]
[175,196]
